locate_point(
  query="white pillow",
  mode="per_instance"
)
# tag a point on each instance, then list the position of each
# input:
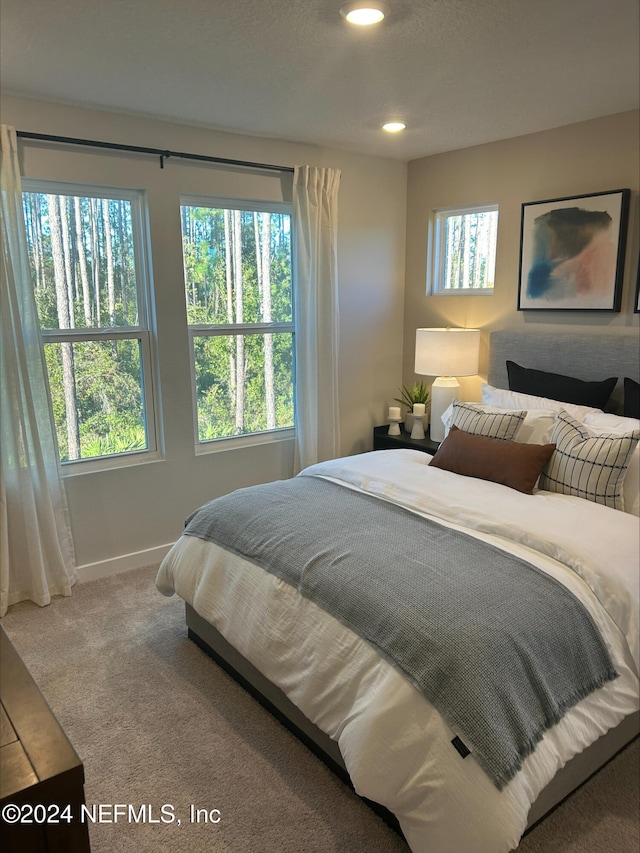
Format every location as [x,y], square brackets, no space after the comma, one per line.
[534,429]
[516,400]
[589,464]
[603,420]
[483,420]
[601,423]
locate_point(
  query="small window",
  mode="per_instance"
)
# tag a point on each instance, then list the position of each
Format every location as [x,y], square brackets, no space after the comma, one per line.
[88,265]
[237,269]
[463,249]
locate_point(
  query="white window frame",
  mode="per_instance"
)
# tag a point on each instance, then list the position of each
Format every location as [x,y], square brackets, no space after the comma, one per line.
[436,250]
[143,332]
[222,329]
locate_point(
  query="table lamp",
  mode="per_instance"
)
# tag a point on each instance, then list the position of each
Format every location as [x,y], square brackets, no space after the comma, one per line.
[446,354]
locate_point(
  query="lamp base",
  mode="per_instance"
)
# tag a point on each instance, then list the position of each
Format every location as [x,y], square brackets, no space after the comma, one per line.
[444,391]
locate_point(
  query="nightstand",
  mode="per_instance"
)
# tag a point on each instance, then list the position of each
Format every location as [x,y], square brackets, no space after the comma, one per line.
[383,441]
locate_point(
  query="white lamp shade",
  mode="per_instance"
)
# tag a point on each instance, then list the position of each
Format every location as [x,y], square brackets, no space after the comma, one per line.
[447,352]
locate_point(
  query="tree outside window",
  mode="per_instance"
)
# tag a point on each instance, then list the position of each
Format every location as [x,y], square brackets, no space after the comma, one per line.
[237,272]
[88,271]
[463,249]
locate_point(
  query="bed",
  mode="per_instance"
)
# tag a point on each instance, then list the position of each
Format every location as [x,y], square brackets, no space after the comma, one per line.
[422,755]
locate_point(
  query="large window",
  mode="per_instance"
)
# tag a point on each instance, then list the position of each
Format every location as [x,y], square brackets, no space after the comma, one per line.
[237,271]
[463,249]
[89,274]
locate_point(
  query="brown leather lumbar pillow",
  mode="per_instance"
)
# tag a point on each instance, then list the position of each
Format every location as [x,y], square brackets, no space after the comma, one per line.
[507,462]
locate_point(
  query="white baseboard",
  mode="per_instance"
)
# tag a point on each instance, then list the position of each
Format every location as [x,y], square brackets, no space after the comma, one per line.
[123,563]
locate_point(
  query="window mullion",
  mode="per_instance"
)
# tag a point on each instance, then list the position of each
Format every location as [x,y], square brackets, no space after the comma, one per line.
[205,329]
[119,333]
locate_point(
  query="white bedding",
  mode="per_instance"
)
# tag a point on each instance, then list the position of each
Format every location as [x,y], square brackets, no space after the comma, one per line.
[395,744]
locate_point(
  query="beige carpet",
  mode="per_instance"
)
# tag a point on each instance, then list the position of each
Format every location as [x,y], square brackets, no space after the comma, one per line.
[156,722]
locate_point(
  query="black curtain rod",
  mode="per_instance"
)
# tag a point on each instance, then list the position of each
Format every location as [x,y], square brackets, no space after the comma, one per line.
[157,152]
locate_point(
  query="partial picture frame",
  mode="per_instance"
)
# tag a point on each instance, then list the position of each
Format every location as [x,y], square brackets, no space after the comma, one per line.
[636,304]
[572,252]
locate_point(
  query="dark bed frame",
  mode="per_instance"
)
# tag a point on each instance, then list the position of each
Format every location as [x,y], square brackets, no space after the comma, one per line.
[589,356]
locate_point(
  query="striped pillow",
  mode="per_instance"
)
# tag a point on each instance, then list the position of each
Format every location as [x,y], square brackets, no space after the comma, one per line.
[482,420]
[588,466]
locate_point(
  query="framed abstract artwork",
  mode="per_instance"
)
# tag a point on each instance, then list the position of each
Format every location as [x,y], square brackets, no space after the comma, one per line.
[572,252]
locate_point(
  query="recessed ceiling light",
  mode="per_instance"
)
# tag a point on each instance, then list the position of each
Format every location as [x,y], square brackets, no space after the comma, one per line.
[394,126]
[364,12]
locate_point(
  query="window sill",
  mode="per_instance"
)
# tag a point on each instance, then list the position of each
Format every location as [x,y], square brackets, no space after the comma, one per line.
[110,463]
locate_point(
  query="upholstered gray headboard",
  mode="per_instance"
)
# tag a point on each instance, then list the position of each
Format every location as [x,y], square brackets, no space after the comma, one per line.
[581,354]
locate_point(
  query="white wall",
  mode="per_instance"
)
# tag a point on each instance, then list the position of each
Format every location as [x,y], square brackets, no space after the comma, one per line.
[122,517]
[577,159]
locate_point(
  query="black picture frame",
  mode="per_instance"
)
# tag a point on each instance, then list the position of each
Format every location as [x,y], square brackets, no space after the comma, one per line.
[572,252]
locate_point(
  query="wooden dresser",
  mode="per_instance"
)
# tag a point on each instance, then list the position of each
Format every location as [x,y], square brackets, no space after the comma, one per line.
[40,772]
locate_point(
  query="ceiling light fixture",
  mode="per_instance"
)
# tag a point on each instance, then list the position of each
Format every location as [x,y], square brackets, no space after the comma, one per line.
[364,12]
[394,126]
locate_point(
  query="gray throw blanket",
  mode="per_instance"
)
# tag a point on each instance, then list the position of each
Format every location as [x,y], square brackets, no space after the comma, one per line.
[501,649]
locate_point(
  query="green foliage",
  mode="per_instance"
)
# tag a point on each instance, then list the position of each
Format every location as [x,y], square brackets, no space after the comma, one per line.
[87,255]
[206,253]
[125,440]
[83,267]
[219,292]
[418,393]
[469,249]
[108,397]
[216,392]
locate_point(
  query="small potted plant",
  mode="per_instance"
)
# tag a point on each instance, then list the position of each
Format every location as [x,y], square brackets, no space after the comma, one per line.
[417,393]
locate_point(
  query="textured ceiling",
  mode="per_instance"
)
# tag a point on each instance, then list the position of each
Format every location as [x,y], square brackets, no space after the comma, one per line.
[458,72]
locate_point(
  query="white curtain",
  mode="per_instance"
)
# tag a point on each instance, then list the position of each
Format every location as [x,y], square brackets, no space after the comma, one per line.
[36,549]
[315,216]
